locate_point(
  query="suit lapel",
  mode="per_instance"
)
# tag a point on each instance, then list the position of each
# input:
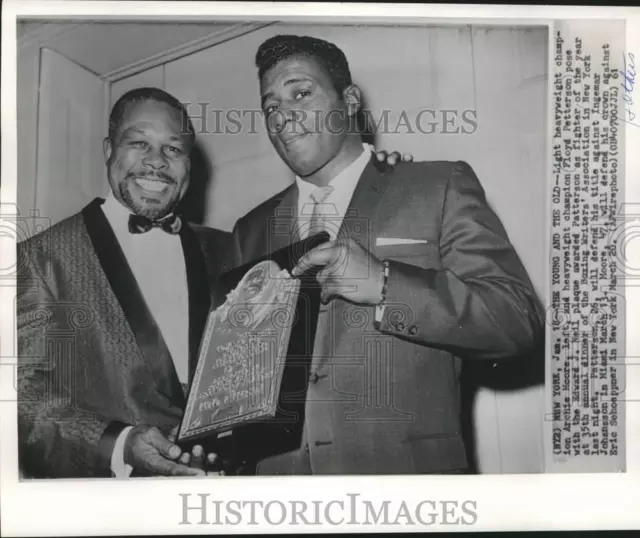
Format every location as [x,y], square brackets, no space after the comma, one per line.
[199,292]
[360,217]
[284,229]
[357,223]
[144,327]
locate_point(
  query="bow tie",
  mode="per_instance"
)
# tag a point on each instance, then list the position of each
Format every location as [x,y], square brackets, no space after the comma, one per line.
[139,224]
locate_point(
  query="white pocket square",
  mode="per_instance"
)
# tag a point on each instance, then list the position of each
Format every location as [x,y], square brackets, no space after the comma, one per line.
[387,241]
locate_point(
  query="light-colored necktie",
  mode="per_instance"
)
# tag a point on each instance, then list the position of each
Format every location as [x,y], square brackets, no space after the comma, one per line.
[318,217]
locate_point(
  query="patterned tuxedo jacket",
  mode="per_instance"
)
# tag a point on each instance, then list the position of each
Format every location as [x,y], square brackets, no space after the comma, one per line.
[91,357]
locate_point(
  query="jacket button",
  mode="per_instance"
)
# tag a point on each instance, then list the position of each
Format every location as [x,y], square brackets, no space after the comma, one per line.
[313,378]
[413,330]
[306,449]
[400,326]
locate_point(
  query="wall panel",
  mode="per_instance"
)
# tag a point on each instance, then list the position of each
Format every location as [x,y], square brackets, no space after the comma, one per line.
[70,163]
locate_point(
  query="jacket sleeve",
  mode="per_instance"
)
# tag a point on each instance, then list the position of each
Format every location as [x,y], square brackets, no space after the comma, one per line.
[215,245]
[56,438]
[481,304]
[234,256]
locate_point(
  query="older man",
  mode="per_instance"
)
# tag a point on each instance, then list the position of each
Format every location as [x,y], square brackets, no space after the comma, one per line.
[111,307]
[126,281]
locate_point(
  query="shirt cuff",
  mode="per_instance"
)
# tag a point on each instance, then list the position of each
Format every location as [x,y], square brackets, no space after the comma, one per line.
[118,467]
[380,307]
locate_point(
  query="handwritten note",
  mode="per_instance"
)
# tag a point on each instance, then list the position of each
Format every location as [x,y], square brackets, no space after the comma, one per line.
[628,74]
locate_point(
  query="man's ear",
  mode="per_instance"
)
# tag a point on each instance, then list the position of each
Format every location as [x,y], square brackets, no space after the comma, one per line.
[353,98]
[107,148]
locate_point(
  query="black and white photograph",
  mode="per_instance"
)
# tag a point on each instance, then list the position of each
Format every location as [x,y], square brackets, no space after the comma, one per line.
[447,225]
[467,178]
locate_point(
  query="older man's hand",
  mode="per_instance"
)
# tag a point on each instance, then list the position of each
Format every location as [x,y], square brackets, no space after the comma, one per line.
[392,158]
[197,459]
[149,452]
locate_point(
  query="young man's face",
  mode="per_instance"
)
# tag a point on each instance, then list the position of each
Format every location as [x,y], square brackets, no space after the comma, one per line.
[148,161]
[306,118]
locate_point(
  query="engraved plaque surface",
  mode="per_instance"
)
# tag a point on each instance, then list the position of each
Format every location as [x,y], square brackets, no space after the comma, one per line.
[243,353]
[251,379]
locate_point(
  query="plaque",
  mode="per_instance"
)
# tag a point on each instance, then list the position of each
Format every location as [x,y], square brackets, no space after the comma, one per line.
[247,396]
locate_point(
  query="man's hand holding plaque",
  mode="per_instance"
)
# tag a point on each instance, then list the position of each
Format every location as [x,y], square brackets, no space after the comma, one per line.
[247,395]
[150,453]
[208,463]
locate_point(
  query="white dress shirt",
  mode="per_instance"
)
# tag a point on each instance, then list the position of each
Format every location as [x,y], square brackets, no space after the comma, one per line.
[335,206]
[157,262]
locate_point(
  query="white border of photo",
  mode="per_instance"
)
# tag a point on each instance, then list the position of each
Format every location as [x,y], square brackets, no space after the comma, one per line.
[155,506]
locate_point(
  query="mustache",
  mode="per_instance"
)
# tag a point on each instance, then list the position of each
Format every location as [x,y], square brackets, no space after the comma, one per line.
[156,175]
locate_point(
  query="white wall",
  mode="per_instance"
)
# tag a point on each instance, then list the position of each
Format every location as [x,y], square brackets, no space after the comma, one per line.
[61,123]
[28,74]
[153,77]
[499,72]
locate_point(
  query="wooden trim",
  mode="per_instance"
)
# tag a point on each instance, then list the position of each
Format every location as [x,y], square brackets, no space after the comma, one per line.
[196,45]
[106,91]
[36,103]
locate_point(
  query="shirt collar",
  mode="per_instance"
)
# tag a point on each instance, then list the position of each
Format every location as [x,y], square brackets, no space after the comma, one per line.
[117,214]
[344,180]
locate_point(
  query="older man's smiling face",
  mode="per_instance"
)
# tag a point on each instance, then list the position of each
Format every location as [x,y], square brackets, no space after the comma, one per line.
[148,161]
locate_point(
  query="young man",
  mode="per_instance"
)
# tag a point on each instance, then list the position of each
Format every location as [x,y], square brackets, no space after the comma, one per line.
[418,275]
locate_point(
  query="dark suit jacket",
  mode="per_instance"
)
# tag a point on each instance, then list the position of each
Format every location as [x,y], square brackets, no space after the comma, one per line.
[385,398]
[91,357]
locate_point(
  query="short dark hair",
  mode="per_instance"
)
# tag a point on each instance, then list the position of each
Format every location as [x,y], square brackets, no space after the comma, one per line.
[148,94]
[328,55]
